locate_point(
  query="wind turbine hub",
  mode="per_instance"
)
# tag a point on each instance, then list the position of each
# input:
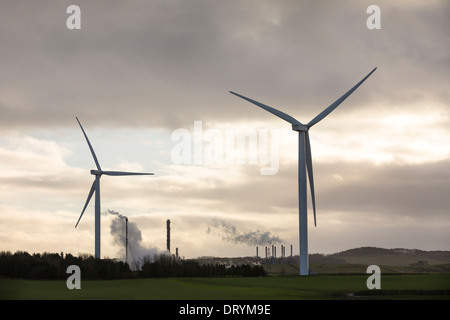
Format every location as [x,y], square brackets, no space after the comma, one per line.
[96,172]
[299,127]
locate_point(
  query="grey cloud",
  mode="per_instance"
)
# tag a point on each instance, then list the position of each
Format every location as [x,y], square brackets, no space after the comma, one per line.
[415,190]
[164,64]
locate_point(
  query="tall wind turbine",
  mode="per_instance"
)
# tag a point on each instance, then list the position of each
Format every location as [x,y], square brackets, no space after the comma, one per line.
[305,163]
[96,188]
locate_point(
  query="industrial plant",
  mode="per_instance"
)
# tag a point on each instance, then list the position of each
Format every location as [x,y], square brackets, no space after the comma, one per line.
[270,256]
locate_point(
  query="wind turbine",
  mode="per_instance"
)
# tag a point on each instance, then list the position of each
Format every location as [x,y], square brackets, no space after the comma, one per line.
[96,188]
[305,163]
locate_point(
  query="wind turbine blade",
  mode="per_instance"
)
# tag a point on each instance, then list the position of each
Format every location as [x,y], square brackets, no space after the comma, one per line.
[120,173]
[274,111]
[87,202]
[333,106]
[90,147]
[310,174]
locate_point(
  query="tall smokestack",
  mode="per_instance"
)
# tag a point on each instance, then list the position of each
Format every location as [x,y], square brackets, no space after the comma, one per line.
[126,240]
[257,252]
[168,235]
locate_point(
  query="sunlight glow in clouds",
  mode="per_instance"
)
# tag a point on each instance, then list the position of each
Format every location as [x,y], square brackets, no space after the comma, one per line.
[145,69]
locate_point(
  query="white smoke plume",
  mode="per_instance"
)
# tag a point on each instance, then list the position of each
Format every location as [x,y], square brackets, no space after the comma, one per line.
[138,252]
[229,232]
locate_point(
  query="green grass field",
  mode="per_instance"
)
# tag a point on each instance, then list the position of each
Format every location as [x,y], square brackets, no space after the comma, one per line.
[347,268]
[431,286]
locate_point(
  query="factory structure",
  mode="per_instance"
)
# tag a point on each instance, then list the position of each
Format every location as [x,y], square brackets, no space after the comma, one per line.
[271,252]
[128,247]
[168,239]
[168,234]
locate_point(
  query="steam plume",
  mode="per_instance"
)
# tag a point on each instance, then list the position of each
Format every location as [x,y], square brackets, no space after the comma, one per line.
[230,233]
[138,252]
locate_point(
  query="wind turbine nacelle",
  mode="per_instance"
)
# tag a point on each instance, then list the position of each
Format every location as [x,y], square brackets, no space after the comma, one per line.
[96,172]
[299,127]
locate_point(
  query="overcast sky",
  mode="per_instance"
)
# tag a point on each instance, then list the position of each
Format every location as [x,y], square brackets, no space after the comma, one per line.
[138,73]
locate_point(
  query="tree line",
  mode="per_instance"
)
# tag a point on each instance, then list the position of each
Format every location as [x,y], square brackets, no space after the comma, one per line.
[169,266]
[53,266]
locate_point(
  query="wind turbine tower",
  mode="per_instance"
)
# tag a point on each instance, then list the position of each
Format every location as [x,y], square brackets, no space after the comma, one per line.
[96,188]
[305,164]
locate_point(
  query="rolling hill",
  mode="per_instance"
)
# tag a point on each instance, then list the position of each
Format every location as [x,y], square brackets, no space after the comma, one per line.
[392,257]
[352,261]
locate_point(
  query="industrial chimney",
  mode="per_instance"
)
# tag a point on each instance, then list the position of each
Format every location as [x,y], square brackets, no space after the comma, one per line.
[126,240]
[168,235]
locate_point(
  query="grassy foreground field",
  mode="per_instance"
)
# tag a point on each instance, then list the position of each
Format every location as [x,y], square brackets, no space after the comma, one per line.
[432,286]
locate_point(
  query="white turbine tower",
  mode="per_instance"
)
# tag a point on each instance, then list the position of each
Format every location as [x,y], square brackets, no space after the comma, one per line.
[96,188]
[305,163]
